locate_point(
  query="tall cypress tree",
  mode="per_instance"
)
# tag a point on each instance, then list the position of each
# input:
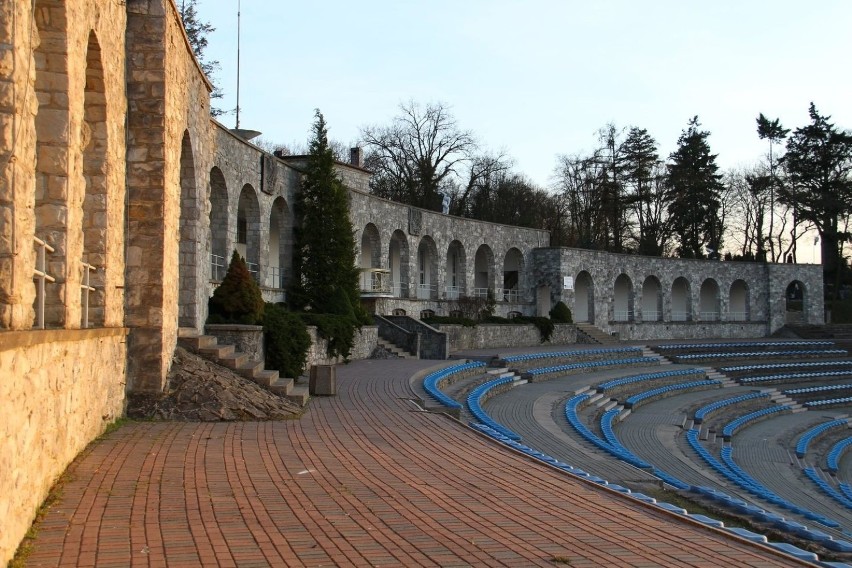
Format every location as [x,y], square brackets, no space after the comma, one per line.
[694,194]
[325,277]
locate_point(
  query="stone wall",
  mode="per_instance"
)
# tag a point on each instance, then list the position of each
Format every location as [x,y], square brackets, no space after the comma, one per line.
[60,390]
[486,336]
[365,342]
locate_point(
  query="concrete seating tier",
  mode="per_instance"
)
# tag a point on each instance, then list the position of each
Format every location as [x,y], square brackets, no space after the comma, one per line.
[637,399]
[616,448]
[793,377]
[817,390]
[704,411]
[692,357]
[475,407]
[836,452]
[845,401]
[545,373]
[752,346]
[737,369]
[647,377]
[731,427]
[824,486]
[813,433]
[527,360]
[433,382]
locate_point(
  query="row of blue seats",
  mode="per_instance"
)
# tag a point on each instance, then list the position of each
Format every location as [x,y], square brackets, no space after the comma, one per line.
[748,354]
[576,353]
[476,409]
[835,453]
[594,364]
[702,412]
[618,449]
[432,381]
[791,364]
[826,488]
[653,393]
[846,400]
[603,387]
[794,376]
[808,437]
[738,423]
[733,473]
[846,489]
[824,388]
[742,344]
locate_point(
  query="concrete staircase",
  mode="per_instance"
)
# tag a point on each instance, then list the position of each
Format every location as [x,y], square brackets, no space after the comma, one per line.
[591,334]
[241,363]
[395,349]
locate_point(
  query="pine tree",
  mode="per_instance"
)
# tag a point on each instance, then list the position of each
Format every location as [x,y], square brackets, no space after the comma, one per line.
[694,189]
[325,277]
[639,168]
[237,299]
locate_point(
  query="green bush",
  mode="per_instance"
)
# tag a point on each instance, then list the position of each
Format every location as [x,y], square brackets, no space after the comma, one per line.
[544,325]
[561,313]
[449,320]
[237,299]
[338,330]
[287,341]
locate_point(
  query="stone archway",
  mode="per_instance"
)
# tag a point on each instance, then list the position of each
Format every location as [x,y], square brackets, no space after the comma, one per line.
[708,300]
[398,264]
[796,302]
[584,298]
[739,304]
[681,300]
[622,305]
[188,247]
[427,269]
[219,208]
[513,276]
[248,229]
[280,245]
[652,299]
[456,270]
[483,272]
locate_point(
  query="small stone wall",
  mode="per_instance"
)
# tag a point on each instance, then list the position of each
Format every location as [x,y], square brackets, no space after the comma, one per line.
[365,342]
[246,338]
[690,330]
[60,390]
[484,336]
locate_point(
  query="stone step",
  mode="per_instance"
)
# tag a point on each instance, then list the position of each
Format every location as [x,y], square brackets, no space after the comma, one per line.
[250,369]
[282,386]
[265,377]
[197,342]
[217,351]
[299,394]
[234,361]
[498,371]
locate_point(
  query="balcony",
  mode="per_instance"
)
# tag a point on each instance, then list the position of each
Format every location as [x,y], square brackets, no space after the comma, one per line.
[376,283]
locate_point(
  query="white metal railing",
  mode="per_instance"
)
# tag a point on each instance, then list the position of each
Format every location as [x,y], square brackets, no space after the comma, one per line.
[217,267]
[680,316]
[275,278]
[41,276]
[737,316]
[253,270]
[376,280]
[511,295]
[425,291]
[650,315]
[623,315]
[86,288]
[453,292]
[480,292]
[709,316]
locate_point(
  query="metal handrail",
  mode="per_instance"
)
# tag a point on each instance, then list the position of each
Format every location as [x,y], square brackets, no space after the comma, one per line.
[40,274]
[86,288]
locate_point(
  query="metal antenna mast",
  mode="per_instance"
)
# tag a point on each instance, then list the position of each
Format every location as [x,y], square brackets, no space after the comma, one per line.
[238,64]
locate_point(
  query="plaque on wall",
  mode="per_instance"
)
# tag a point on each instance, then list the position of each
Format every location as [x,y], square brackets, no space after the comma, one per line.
[415,221]
[268,174]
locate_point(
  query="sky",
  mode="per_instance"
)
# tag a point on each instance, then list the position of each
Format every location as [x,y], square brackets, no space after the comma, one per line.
[537,78]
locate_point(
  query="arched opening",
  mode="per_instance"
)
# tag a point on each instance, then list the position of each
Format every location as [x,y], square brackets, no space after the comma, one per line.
[652,299]
[584,298]
[795,297]
[371,257]
[622,298]
[93,140]
[513,272]
[708,300]
[248,229]
[456,270]
[219,257]
[681,300]
[51,167]
[188,248]
[427,269]
[542,301]
[280,244]
[398,264]
[739,308]
[483,272]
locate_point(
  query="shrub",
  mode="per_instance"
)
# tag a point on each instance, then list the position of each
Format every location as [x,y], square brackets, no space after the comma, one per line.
[338,330]
[561,313]
[237,299]
[287,341]
[450,320]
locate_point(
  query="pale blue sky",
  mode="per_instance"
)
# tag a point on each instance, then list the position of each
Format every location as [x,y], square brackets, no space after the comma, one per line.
[538,78]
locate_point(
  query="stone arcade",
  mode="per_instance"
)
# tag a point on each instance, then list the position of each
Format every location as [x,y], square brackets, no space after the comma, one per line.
[121,200]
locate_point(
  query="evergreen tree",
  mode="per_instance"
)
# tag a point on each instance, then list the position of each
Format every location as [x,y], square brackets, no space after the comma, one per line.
[819,175]
[197,32]
[694,194]
[325,277]
[237,299]
[773,131]
[640,163]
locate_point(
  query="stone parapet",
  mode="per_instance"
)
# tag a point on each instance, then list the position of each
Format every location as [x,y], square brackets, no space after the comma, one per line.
[365,342]
[484,336]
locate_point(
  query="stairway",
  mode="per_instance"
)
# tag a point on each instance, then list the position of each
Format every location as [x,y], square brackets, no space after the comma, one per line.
[399,352]
[588,333]
[241,363]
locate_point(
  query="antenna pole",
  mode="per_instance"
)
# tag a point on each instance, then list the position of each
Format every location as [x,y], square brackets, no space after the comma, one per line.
[238,64]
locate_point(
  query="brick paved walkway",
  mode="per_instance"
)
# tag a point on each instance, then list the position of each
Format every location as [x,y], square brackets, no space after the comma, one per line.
[363,479]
